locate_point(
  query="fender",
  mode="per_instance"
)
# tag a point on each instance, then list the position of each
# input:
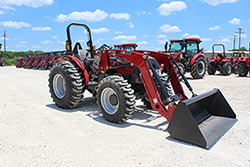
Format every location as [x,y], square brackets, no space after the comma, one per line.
[245,59]
[79,63]
[225,60]
[195,57]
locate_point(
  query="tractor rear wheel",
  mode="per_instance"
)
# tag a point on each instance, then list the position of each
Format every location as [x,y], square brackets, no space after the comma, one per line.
[242,69]
[115,99]
[198,69]
[226,68]
[66,84]
[211,68]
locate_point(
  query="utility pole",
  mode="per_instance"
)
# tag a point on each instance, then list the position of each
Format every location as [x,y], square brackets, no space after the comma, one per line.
[239,35]
[234,40]
[4,37]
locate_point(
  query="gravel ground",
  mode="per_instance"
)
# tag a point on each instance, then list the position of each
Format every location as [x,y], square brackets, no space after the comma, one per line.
[34,132]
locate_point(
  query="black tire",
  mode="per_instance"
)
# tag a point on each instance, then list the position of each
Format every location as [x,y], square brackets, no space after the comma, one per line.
[226,68]
[235,69]
[182,67]
[242,69]
[115,99]
[211,68]
[66,85]
[198,69]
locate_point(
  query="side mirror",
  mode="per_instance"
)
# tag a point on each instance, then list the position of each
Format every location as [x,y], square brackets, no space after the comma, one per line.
[166,46]
[202,50]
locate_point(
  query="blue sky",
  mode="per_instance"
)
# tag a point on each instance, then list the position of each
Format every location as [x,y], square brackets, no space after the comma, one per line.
[40,25]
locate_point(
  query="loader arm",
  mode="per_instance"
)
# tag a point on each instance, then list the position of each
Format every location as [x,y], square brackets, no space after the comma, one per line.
[139,60]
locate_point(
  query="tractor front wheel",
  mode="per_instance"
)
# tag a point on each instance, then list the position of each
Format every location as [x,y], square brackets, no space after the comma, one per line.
[115,99]
[66,84]
[226,69]
[198,69]
[211,68]
[242,69]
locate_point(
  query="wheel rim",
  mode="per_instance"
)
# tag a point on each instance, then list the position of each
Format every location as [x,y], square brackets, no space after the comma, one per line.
[201,68]
[229,69]
[109,100]
[59,86]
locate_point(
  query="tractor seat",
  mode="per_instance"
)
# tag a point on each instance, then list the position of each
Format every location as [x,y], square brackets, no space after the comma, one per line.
[220,57]
[82,53]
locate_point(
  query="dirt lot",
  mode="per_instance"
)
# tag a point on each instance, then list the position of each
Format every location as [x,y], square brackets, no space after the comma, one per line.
[34,132]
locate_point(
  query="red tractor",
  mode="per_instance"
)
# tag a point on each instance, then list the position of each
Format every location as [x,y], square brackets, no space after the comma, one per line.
[243,66]
[118,77]
[21,61]
[220,62]
[188,56]
[2,62]
[126,46]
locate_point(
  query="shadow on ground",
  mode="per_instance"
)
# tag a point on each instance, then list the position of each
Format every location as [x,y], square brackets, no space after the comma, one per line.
[142,116]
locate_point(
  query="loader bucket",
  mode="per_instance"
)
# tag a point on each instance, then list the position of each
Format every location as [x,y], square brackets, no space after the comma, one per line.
[202,120]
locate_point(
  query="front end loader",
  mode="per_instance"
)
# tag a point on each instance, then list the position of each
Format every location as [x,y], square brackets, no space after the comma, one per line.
[118,77]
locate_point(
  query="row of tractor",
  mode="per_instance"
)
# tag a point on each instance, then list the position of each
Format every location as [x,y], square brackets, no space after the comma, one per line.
[42,61]
[190,58]
[117,76]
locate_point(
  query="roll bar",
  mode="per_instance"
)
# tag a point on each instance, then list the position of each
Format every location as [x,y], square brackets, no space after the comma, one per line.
[69,41]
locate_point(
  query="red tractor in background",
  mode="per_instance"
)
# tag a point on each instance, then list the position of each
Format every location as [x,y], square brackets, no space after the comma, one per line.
[219,62]
[188,56]
[118,77]
[243,66]
[21,61]
[237,55]
[2,62]
[126,46]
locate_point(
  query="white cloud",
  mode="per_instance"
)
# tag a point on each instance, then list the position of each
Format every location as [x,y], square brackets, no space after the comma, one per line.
[7,39]
[124,38]
[36,47]
[168,28]
[234,21]
[168,8]
[118,32]
[217,2]
[97,15]
[206,39]
[143,43]
[224,40]
[125,16]
[145,35]
[23,42]
[143,13]
[7,7]
[1,12]
[41,29]
[214,28]
[130,25]
[20,46]
[14,24]
[161,36]
[46,42]
[100,30]
[30,3]
[55,37]
[186,34]
[243,35]
[162,41]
